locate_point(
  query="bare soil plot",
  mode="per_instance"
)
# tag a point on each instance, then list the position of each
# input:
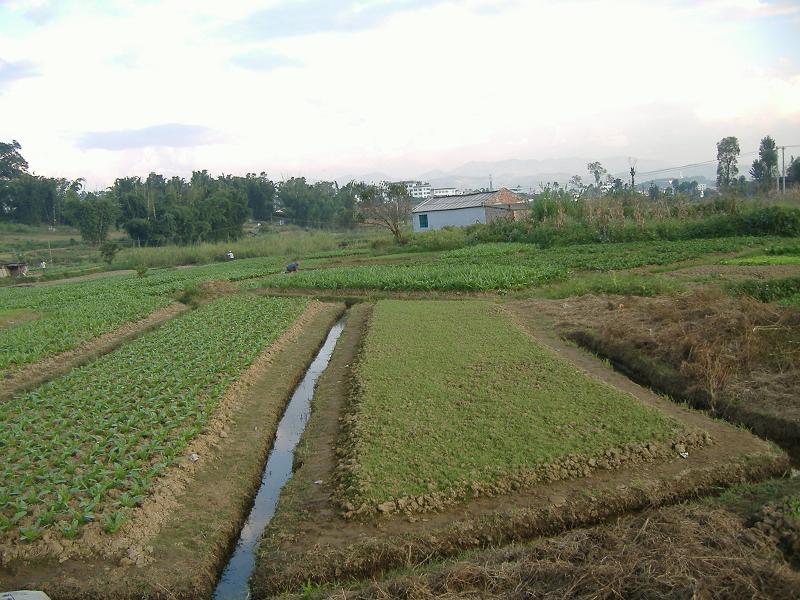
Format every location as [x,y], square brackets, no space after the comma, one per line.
[175,544]
[309,539]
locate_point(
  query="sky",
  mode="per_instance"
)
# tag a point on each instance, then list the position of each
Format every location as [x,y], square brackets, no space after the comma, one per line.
[102,89]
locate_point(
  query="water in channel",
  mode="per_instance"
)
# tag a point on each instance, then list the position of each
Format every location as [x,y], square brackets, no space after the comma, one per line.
[232,585]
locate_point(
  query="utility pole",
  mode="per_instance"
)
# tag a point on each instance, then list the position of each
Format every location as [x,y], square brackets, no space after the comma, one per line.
[783,168]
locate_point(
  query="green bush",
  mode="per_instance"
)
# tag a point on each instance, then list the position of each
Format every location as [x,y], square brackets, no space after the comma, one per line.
[770,290]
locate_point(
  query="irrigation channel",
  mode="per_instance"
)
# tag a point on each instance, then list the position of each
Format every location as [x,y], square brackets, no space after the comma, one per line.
[233,583]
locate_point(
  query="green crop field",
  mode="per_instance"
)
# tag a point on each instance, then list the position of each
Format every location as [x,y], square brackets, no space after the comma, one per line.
[503,266]
[70,313]
[454,392]
[766,259]
[88,446]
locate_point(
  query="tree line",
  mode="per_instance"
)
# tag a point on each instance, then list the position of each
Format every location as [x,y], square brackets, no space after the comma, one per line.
[763,171]
[157,210]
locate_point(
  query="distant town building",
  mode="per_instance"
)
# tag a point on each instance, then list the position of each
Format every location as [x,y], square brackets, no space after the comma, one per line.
[439,192]
[418,189]
[458,211]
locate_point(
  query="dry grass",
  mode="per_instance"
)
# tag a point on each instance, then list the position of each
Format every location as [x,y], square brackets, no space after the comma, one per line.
[679,552]
[738,356]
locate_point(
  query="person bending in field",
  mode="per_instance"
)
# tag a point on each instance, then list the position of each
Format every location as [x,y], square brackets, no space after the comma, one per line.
[292,267]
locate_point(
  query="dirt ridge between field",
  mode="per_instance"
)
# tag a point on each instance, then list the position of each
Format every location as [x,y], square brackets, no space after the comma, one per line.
[31,375]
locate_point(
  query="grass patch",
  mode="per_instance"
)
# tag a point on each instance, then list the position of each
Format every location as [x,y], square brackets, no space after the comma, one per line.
[764,259]
[746,499]
[452,394]
[770,290]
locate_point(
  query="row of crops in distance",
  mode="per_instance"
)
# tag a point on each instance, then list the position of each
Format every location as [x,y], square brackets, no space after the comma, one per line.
[70,313]
[88,446]
[503,265]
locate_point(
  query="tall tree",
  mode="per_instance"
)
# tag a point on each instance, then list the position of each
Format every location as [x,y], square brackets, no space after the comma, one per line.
[389,208]
[727,161]
[597,171]
[765,168]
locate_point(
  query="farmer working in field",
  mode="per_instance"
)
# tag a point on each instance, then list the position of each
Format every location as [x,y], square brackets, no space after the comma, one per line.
[292,266]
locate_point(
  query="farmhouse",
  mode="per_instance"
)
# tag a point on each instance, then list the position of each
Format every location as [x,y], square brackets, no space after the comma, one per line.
[13,269]
[458,211]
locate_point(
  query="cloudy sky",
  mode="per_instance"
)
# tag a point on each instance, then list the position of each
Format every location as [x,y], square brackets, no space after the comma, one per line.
[106,88]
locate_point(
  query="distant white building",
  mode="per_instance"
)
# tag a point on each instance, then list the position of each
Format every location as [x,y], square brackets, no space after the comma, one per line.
[458,211]
[417,190]
[439,192]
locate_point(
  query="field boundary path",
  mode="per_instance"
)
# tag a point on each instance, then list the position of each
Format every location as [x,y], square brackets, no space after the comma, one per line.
[87,277]
[31,375]
[309,541]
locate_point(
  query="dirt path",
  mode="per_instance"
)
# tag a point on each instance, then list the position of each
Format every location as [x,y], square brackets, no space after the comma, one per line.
[309,541]
[100,275]
[34,374]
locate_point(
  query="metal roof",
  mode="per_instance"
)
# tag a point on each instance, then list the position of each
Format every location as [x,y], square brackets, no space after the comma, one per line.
[451,202]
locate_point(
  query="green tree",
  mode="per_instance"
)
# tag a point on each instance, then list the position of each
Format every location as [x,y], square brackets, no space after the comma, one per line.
[727,161]
[389,208]
[765,167]
[793,170]
[597,171]
[759,173]
[12,164]
[108,250]
[94,215]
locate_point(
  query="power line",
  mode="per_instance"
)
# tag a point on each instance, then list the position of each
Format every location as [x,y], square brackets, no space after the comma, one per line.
[697,164]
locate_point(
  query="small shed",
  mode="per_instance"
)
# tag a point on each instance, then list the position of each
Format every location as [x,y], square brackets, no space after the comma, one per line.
[459,211]
[13,269]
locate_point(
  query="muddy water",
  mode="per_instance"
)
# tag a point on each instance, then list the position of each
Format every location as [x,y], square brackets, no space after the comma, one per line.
[232,584]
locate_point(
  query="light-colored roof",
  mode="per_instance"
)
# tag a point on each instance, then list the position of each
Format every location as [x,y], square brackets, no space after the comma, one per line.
[451,202]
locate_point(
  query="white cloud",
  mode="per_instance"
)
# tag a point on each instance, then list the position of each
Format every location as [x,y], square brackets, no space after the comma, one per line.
[420,87]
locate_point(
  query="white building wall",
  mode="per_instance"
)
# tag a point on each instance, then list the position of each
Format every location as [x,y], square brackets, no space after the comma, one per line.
[456,217]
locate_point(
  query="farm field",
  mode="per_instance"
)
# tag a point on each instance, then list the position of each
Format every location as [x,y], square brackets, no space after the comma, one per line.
[487,409]
[89,446]
[63,316]
[503,266]
[443,425]
[413,453]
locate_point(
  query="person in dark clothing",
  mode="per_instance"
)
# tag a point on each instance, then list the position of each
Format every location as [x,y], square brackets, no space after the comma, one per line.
[292,267]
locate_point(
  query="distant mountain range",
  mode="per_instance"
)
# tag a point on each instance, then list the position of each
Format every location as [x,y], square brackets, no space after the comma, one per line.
[530,173]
